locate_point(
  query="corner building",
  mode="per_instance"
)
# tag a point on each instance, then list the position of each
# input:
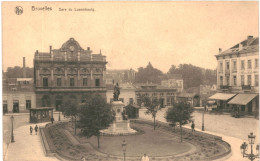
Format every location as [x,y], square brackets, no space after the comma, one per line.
[68,73]
[238,76]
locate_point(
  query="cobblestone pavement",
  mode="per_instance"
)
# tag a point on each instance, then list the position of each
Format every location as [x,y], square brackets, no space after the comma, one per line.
[232,130]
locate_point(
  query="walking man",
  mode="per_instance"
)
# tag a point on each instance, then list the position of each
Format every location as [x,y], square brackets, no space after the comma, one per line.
[36,129]
[52,119]
[31,130]
[193,126]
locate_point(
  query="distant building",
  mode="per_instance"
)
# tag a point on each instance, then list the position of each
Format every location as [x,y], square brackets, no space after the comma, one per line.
[69,72]
[166,95]
[18,93]
[173,81]
[238,76]
[120,76]
[127,93]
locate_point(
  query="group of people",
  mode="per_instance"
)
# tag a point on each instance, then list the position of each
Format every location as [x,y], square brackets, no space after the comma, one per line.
[35,129]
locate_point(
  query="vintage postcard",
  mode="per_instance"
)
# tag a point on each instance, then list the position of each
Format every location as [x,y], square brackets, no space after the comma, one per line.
[128,80]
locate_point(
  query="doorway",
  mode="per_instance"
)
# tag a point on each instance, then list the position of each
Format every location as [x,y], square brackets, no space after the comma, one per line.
[16,106]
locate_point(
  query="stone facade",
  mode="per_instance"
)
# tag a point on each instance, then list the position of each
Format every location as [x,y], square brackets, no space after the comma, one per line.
[238,73]
[70,72]
[18,95]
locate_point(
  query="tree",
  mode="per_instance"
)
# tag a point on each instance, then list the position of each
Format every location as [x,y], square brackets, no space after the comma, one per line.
[71,109]
[95,115]
[194,76]
[17,72]
[148,74]
[152,106]
[180,113]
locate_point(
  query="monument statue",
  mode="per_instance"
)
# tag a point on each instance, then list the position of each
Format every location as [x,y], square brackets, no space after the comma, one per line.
[116,92]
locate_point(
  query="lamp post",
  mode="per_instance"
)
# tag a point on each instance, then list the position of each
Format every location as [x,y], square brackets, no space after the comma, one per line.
[244,146]
[12,132]
[124,147]
[59,112]
[202,127]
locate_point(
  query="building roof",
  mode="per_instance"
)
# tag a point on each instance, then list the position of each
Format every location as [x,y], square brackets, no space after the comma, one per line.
[187,95]
[249,45]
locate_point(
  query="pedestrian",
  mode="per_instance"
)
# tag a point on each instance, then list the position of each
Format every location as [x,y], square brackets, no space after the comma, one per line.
[145,157]
[52,119]
[193,126]
[36,129]
[83,158]
[31,130]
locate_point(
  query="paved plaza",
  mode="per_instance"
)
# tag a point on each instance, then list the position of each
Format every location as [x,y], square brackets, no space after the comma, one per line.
[232,130]
[26,144]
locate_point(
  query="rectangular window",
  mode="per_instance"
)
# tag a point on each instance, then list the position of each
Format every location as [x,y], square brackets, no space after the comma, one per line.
[85,82]
[235,80]
[242,64]
[168,101]
[249,66]
[72,82]
[256,80]
[234,65]
[242,80]
[227,65]
[45,82]
[221,80]
[28,104]
[131,101]
[221,66]
[58,82]
[227,80]
[249,80]
[97,82]
[256,63]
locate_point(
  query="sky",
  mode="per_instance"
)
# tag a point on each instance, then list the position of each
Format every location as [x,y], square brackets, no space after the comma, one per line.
[129,34]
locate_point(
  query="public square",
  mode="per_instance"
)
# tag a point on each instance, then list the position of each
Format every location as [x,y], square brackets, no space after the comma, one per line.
[234,138]
[130,81]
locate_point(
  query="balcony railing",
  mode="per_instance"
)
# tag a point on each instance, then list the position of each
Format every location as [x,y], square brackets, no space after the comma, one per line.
[225,87]
[246,87]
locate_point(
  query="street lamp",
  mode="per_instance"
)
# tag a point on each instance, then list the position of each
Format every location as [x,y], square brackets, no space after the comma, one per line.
[202,128]
[124,147]
[12,132]
[243,148]
[59,112]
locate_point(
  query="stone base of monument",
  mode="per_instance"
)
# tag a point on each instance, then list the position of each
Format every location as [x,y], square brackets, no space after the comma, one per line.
[119,126]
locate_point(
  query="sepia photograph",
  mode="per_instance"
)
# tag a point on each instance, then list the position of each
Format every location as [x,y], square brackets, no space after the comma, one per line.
[130,81]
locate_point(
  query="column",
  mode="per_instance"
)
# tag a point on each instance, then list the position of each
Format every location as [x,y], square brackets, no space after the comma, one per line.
[52,84]
[65,72]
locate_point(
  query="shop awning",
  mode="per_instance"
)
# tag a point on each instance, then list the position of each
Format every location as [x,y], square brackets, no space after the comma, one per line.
[222,96]
[211,102]
[242,99]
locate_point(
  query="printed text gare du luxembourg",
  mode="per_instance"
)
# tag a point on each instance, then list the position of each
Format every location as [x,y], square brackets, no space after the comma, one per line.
[47,8]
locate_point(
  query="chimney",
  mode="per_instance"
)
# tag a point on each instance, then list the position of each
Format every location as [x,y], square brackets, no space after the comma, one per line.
[249,39]
[24,70]
[220,50]
[88,48]
[50,48]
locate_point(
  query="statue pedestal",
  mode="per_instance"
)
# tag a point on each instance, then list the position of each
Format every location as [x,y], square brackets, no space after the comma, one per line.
[119,126]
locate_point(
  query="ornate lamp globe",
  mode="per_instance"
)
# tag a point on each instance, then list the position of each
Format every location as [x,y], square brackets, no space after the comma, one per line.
[251,138]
